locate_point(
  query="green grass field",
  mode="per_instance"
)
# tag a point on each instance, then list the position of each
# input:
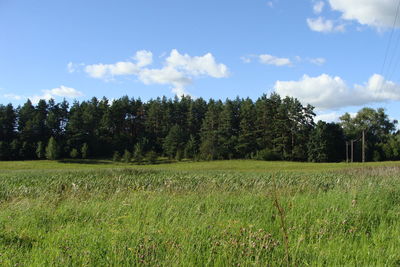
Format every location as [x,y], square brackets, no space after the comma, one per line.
[224,213]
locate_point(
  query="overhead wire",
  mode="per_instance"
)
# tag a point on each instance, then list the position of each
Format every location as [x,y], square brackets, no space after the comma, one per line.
[390,39]
[395,55]
[386,70]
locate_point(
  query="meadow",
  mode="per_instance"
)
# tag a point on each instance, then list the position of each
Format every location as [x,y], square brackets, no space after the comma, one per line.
[220,213]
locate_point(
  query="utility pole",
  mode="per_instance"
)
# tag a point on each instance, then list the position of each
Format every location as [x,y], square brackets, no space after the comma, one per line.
[363,146]
[347,151]
[352,150]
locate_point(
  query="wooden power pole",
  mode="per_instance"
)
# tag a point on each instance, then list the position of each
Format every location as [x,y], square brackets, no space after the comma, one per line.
[347,151]
[363,146]
[352,150]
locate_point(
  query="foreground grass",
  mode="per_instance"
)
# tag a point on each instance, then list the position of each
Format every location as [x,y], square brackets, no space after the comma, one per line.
[101,215]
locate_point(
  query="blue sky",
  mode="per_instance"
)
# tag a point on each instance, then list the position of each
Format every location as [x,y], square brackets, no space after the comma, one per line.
[328,53]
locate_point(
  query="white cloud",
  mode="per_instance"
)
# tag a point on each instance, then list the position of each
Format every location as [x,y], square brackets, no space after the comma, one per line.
[179,70]
[268,59]
[328,117]
[317,61]
[74,67]
[108,71]
[333,116]
[321,24]
[327,92]
[143,58]
[272,60]
[12,96]
[196,66]
[166,75]
[61,91]
[97,70]
[123,68]
[376,13]
[277,61]
[36,98]
[318,7]
[246,59]
[71,67]
[64,91]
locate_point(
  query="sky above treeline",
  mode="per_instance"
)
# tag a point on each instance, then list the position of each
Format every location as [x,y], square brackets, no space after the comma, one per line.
[337,55]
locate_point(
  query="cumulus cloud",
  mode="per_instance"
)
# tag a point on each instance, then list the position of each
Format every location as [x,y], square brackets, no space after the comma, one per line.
[166,75]
[97,70]
[61,91]
[328,117]
[179,70]
[321,24]
[64,91]
[379,14]
[318,7]
[332,116]
[108,71]
[143,58]
[327,92]
[376,13]
[196,66]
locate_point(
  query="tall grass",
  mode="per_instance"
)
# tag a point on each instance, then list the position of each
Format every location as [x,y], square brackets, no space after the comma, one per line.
[129,217]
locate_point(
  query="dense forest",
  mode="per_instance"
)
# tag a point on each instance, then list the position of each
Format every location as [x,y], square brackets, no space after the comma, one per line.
[270,128]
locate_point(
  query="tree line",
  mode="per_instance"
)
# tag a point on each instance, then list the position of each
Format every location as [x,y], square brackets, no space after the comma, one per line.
[269,128]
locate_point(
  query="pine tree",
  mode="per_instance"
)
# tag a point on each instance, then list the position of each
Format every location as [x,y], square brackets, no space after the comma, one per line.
[40,153]
[27,151]
[7,123]
[151,157]
[156,124]
[228,129]
[326,143]
[179,155]
[209,131]
[14,149]
[173,141]
[85,151]
[41,131]
[5,151]
[247,137]
[127,156]
[116,156]
[74,153]
[138,152]
[191,148]
[196,114]
[52,149]
[265,110]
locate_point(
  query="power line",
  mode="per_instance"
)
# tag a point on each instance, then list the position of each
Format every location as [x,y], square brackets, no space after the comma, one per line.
[396,45]
[387,76]
[390,39]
